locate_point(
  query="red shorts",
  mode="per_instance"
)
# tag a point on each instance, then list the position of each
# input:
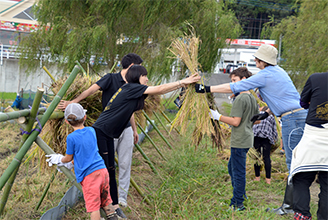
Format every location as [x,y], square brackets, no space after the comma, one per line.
[95,188]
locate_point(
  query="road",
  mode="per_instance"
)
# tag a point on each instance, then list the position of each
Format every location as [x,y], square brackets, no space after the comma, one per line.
[216,79]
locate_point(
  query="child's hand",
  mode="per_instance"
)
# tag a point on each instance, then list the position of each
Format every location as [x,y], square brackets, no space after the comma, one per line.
[54,159]
[68,165]
[215,114]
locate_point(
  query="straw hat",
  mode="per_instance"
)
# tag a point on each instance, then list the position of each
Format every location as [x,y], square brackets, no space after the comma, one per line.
[267,53]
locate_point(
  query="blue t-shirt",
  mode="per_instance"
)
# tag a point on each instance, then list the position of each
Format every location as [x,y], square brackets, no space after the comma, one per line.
[82,143]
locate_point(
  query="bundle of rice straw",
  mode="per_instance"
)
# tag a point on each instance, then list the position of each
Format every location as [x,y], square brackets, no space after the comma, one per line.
[55,131]
[195,105]
[152,103]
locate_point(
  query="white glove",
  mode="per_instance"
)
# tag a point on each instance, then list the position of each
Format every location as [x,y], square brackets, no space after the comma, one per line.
[68,165]
[215,114]
[54,159]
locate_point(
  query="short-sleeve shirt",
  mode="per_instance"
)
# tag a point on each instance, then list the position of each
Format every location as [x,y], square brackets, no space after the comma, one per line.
[315,92]
[116,115]
[109,84]
[82,143]
[244,107]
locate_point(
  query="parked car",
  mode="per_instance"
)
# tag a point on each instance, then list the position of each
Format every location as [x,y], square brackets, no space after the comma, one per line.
[230,67]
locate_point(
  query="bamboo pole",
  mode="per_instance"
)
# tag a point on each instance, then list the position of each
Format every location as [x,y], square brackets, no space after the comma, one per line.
[26,146]
[134,184]
[160,121]
[29,126]
[19,120]
[160,134]
[111,70]
[169,121]
[49,74]
[46,190]
[151,141]
[83,71]
[54,115]
[66,171]
[146,158]
[16,114]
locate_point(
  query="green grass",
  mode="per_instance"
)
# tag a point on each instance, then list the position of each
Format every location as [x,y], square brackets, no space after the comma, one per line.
[8,95]
[195,184]
[192,184]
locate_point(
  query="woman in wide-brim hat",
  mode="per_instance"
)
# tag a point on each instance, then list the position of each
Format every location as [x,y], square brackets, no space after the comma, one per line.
[278,91]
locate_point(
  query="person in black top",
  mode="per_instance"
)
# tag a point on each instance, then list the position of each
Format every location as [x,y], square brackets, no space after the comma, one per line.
[310,157]
[123,144]
[128,99]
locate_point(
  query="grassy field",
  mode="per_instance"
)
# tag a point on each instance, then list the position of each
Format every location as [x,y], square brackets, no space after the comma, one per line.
[192,184]
[8,96]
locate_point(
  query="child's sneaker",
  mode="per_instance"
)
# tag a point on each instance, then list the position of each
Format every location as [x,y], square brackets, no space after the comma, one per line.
[120,213]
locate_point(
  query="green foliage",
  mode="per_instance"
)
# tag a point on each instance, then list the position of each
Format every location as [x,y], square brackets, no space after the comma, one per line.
[78,30]
[252,14]
[304,41]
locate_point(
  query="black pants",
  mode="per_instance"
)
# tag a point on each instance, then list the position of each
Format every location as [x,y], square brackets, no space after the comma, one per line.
[301,200]
[107,152]
[263,146]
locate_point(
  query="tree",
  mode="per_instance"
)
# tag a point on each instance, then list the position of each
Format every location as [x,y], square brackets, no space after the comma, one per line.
[81,29]
[304,41]
[253,14]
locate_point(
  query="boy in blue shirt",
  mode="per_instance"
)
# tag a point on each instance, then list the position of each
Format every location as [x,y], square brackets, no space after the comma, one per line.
[89,167]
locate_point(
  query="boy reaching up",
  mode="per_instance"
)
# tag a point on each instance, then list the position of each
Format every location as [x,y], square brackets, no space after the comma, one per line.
[89,167]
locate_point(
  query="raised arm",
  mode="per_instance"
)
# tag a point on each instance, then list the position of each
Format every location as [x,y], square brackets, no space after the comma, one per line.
[168,87]
[91,90]
[222,88]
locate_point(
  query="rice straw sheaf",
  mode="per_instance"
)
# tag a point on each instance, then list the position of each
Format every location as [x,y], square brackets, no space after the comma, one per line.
[218,138]
[195,105]
[152,103]
[55,131]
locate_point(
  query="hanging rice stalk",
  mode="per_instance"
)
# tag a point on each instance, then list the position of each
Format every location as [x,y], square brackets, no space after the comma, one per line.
[195,105]
[152,103]
[255,156]
[218,136]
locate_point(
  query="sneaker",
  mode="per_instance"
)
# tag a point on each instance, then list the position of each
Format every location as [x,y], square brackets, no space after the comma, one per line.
[239,208]
[120,213]
[112,216]
[122,203]
[236,208]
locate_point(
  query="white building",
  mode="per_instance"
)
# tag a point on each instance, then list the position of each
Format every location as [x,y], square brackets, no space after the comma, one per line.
[240,53]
